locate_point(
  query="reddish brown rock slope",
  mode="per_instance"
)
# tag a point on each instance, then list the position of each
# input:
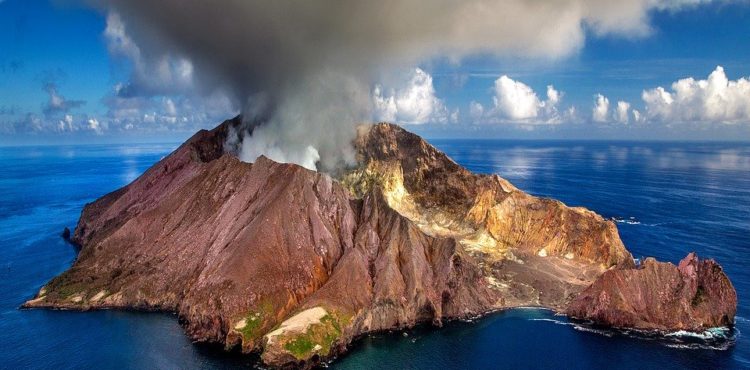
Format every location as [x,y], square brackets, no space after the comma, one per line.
[694,296]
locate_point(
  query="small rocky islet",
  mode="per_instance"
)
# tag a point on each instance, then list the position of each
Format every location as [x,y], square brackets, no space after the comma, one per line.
[295,264]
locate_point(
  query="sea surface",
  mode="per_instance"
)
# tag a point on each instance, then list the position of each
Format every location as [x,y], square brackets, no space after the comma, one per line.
[669,199]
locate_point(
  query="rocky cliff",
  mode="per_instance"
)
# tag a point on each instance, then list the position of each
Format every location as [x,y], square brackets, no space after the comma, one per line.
[693,296]
[293,263]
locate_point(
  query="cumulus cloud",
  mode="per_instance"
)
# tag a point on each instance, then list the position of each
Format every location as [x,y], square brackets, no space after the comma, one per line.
[414,103]
[516,102]
[622,112]
[476,111]
[600,112]
[93,125]
[32,123]
[715,99]
[66,124]
[154,114]
[637,116]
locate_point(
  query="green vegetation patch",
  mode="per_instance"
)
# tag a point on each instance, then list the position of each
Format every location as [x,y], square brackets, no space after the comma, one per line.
[255,321]
[66,285]
[319,338]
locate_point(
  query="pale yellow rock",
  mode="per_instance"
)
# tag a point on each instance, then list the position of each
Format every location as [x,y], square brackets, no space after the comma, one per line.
[98,296]
[78,298]
[240,324]
[298,323]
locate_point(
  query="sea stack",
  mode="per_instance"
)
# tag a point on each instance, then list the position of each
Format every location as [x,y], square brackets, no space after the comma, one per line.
[694,296]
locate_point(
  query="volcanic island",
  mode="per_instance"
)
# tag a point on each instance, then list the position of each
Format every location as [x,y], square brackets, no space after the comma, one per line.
[295,264]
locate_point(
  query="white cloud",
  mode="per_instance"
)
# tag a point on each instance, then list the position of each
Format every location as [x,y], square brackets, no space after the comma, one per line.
[553,96]
[169,107]
[93,125]
[166,113]
[476,111]
[715,99]
[637,116]
[385,106]
[515,100]
[455,115]
[600,112]
[414,103]
[517,103]
[66,124]
[622,112]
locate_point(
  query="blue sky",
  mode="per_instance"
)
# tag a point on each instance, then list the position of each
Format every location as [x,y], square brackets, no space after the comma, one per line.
[55,61]
[685,43]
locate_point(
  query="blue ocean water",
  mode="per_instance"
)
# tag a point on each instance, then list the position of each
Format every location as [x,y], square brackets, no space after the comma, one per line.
[670,198]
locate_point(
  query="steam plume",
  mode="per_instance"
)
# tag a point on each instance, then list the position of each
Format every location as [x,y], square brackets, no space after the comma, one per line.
[304,69]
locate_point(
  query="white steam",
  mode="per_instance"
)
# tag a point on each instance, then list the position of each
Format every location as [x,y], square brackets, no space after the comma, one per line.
[304,70]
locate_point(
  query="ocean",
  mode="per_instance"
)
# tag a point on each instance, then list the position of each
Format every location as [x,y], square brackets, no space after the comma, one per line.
[668,199]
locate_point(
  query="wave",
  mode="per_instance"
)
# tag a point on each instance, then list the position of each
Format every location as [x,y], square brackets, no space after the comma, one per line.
[578,327]
[629,220]
[558,322]
[712,333]
[720,338]
[634,221]
[604,332]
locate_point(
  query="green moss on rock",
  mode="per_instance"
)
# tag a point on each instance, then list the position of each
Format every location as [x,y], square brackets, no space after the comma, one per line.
[255,321]
[319,338]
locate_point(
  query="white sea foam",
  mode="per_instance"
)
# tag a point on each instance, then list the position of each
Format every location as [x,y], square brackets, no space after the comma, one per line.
[712,333]
[720,338]
[629,220]
[587,329]
[558,322]
[723,346]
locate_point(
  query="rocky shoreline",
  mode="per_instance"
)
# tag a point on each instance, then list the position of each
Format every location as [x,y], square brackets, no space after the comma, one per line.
[294,264]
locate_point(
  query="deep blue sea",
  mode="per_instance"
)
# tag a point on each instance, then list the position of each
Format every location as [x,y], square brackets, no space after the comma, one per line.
[670,198]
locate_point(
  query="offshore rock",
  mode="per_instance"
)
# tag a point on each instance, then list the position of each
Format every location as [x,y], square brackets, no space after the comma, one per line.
[694,296]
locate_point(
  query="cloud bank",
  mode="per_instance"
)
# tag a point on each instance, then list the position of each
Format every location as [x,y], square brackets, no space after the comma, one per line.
[305,70]
[715,99]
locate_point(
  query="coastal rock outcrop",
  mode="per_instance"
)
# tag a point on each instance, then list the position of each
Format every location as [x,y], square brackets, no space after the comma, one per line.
[694,295]
[275,258]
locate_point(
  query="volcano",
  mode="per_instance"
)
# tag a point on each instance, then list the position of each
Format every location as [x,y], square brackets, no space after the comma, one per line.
[294,264]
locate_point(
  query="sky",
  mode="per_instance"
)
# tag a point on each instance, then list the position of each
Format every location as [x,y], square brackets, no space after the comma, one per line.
[71,72]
